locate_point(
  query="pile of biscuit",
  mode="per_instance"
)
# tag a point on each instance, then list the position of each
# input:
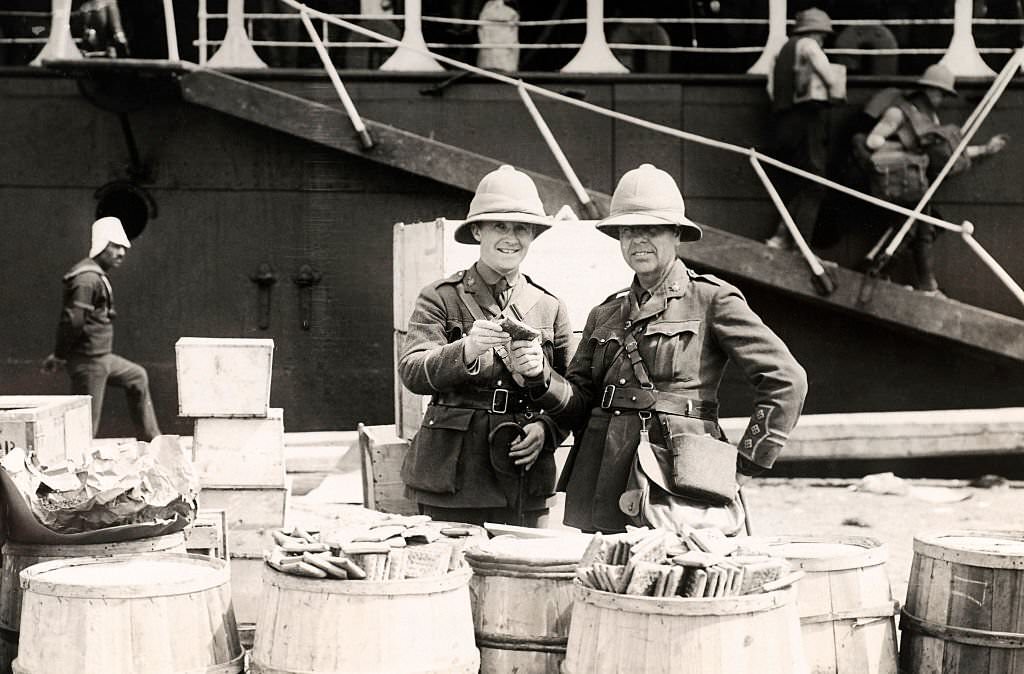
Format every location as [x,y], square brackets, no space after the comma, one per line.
[395,549]
[700,563]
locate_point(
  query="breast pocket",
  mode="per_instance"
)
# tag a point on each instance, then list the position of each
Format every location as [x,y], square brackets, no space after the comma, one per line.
[676,346]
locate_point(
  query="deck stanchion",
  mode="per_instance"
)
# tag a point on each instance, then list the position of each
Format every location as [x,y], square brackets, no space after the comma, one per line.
[776,38]
[172,31]
[967,233]
[236,51]
[824,284]
[595,56]
[962,56]
[346,101]
[60,44]
[411,53]
[563,161]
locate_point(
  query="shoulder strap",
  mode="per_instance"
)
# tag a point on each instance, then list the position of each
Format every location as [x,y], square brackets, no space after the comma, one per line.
[478,314]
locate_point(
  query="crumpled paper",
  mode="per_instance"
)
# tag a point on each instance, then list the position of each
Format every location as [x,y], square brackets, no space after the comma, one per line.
[127,483]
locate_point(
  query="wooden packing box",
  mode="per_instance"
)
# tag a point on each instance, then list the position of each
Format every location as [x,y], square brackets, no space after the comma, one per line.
[251,513]
[240,452]
[208,534]
[56,428]
[223,377]
[382,453]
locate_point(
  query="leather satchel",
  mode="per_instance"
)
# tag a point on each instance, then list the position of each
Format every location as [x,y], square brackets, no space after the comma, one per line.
[652,497]
[704,468]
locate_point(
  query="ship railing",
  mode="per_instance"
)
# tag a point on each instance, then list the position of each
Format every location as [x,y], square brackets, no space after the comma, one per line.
[412,53]
[525,89]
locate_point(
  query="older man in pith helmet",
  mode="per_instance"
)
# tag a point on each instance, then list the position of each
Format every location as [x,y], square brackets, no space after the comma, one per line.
[801,84]
[647,372]
[85,333]
[485,451]
[907,148]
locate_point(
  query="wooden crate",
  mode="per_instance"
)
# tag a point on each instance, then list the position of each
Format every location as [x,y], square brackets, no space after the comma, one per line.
[208,534]
[223,377]
[240,452]
[251,513]
[572,260]
[55,428]
[382,453]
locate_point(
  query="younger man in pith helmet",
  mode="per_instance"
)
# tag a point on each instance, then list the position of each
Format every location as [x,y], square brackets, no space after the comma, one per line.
[485,451]
[652,357]
[85,333]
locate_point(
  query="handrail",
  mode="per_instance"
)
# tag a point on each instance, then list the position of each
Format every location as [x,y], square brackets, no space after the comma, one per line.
[754,155]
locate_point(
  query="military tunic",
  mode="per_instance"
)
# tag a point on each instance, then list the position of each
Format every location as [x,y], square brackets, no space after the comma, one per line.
[686,333]
[450,463]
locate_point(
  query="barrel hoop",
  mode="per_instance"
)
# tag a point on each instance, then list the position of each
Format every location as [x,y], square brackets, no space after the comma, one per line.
[507,642]
[960,635]
[232,667]
[512,572]
[880,611]
[455,668]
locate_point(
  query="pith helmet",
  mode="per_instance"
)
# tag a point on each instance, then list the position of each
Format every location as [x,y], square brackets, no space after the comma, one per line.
[812,20]
[504,195]
[648,196]
[939,77]
[107,230]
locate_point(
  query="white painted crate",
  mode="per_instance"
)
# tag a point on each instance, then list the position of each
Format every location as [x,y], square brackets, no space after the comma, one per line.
[240,452]
[56,428]
[252,513]
[224,377]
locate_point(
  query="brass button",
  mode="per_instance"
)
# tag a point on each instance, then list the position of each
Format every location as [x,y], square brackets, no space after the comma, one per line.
[616,413]
[633,398]
[601,340]
[430,423]
[499,382]
[629,324]
[622,382]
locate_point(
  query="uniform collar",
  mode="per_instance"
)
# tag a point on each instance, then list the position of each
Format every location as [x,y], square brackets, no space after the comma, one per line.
[673,284]
[88,264]
[491,276]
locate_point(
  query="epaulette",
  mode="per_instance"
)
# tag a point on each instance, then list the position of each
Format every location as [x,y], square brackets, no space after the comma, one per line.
[618,294]
[539,287]
[450,280]
[709,278]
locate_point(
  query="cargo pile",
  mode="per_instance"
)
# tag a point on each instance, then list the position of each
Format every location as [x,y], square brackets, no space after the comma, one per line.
[702,563]
[398,548]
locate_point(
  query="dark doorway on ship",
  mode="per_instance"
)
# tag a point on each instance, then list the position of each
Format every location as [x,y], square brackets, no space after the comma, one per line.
[128,202]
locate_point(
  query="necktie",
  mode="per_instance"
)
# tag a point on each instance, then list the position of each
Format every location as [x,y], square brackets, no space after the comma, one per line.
[502,292]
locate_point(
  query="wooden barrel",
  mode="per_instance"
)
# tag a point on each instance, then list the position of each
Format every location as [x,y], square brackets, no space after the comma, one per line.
[847,613]
[19,556]
[311,625]
[158,613]
[965,604]
[522,596]
[623,634]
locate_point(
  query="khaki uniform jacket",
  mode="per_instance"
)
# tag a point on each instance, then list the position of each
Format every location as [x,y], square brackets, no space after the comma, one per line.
[691,327]
[450,463]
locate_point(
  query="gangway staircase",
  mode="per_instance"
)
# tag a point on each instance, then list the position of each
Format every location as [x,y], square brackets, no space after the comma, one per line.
[720,252]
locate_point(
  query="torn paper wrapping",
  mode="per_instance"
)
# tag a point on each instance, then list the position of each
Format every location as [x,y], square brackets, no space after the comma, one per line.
[128,483]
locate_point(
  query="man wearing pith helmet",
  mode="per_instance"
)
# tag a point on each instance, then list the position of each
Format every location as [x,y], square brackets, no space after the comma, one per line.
[485,451]
[647,372]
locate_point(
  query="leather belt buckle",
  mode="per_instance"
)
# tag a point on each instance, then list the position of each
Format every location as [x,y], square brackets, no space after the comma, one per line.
[499,401]
[608,396]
